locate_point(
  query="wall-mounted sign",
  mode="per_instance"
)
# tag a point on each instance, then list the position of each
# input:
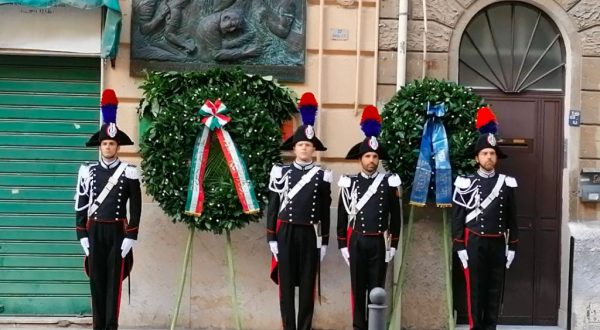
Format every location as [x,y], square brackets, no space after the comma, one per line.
[339,34]
[56,29]
[574,118]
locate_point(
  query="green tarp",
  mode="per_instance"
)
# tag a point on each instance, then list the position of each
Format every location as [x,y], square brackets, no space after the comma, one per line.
[112,24]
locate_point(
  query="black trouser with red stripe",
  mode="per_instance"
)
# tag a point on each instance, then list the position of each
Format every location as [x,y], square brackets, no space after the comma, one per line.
[484,278]
[367,271]
[106,272]
[298,260]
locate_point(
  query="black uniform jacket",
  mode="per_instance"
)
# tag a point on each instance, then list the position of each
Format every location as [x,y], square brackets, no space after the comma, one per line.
[92,179]
[495,220]
[309,206]
[380,213]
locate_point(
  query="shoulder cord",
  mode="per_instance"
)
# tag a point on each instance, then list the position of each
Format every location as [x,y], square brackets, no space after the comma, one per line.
[473,200]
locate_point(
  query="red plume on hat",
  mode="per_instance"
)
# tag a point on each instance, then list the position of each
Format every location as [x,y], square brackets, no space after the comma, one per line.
[486,121]
[108,105]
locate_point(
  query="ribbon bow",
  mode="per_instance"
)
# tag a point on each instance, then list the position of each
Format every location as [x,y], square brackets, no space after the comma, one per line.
[214,114]
[214,120]
[434,141]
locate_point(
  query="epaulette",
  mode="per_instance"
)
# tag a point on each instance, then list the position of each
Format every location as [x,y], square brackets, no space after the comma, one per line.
[462,182]
[131,172]
[344,181]
[276,172]
[84,171]
[511,182]
[327,175]
[394,180]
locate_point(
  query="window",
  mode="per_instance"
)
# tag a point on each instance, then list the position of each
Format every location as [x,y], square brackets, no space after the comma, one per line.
[512,47]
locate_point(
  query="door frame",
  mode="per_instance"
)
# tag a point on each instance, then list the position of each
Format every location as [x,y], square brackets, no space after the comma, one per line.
[572,100]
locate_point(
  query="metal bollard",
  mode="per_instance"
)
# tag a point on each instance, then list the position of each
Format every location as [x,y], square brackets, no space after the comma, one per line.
[377,309]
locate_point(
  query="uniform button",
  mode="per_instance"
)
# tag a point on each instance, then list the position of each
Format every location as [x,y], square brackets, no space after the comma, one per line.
[500,204]
[379,225]
[120,187]
[313,210]
[290,214]
[500,190]
[380,204]
[311,222]
[499,232]
[481,226]
[121,181]
[379,218]
[361,212]
[119,194]
[312,215]
[363,224]
[118,200]
[381,198]
[499,218]
[363,219]
[291,220]
[380,211]
[482,233]
[315,190]
[481,218]
[500,211]
[314,197]
[499,226]
[379,231]
[501,197]
[116,218]
[95,218]
[118,206]
[364,232]
[290,202]
[316,184]
[290,207]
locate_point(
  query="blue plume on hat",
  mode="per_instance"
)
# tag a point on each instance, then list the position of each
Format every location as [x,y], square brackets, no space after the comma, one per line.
[308,108]
[370,122]
[108,106]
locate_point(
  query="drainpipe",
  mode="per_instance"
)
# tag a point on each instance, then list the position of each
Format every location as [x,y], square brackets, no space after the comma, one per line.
[396,320]
[402,36]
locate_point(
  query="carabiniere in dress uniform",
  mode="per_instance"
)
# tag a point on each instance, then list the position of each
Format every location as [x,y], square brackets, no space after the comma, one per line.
[368,224]
[106,233]
[298,221]
[485,228]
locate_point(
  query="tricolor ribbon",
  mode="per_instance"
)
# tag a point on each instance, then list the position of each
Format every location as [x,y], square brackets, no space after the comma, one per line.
[434,148]
[214,120]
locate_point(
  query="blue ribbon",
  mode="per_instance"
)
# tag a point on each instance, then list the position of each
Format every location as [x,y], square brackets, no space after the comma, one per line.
[434,148]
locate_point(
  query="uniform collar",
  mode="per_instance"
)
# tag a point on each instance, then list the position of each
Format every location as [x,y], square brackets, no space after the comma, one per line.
[485,174]
[367,176]
[112,165]
[303,167]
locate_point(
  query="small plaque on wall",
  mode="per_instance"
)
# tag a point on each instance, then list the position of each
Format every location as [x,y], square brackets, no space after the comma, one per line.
[574,118]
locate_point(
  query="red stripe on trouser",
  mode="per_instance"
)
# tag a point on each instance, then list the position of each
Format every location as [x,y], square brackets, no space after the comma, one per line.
[468,285]
[120,288]
[279,272]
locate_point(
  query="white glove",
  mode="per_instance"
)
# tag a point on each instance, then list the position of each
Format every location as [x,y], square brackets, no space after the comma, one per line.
[510,256]
[345,255]
[323,251]
[389,255]
[85,244]
[126,246]
[464,257]
[274,249]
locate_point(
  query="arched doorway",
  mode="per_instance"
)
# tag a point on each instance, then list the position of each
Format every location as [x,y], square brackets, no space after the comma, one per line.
[513,54]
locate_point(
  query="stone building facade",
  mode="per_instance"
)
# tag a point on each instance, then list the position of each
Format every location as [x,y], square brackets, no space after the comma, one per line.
[347,74]
[579,25]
